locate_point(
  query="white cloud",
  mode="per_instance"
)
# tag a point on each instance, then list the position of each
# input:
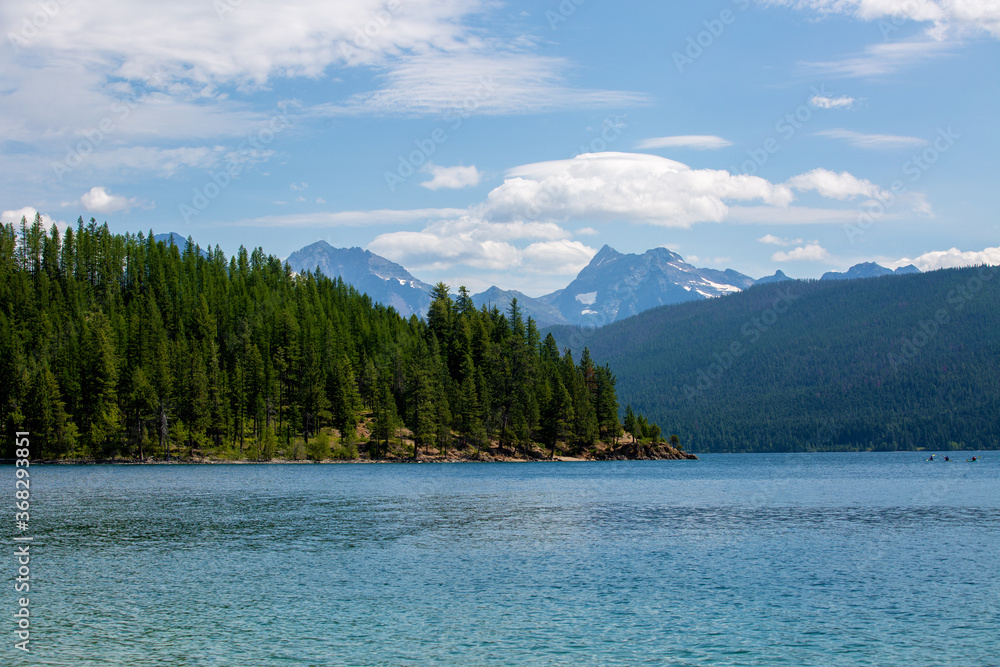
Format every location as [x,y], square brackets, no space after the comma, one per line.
[915,202]
[813,252]
[632,186]
[99,200]
[483,245]
[128,113]
[948,259]
[200,45]
[432,250]
[882,59]
[453,178]
[771,239]
[142,77]
[944,15]
[835,186]
[824,102]
[566,258]
[587,231]
[28,213]
[468,82]
[696,141]
[298,187]
[860,140]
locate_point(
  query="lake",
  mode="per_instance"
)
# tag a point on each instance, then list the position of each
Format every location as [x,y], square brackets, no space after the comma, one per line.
[797,559]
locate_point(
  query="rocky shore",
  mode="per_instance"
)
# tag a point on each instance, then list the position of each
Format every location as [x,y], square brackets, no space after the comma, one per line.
[629,451]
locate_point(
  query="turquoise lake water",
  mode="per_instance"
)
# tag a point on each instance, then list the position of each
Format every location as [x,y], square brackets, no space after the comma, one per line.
[800,559]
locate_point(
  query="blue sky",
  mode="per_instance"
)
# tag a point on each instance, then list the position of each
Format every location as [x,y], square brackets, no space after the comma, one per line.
[483,142]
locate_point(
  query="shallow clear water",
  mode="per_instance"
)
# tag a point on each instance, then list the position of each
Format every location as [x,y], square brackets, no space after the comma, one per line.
[811,559]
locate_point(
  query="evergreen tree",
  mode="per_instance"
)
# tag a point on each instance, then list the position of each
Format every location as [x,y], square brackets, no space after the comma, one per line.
[423,419]
[140,409]
[606,404]
[345,401]
[630,423]
[585,426]
[13,381]
[384,420]
[557,413]
[255,386]
[642,428]
[47,420]
[468,410]
[100,415]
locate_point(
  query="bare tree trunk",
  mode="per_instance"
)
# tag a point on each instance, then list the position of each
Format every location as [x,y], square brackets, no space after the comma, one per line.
[164,431]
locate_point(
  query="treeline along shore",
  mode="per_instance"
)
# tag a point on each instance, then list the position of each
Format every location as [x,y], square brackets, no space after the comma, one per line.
[122,347]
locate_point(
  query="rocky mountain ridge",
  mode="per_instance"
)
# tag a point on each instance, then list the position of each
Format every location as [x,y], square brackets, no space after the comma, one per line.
[612,287]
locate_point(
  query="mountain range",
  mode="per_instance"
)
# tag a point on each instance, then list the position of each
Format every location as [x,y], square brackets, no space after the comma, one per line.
[896,362]
[384,281]
[868,270]
[612,287]
[173,238]
[865,359]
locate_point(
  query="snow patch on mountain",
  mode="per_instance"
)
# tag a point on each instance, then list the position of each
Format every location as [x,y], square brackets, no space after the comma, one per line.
[384,281]
[723,288]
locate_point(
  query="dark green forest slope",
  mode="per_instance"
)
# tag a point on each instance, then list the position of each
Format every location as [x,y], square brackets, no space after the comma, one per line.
[888,363]
[119,345]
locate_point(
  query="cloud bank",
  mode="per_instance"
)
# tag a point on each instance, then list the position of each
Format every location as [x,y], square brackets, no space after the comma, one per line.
[522,222]
[625,186]
[943,15]
[951,259]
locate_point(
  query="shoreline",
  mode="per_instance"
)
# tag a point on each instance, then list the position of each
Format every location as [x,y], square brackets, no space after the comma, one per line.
[210,461]
[643,454]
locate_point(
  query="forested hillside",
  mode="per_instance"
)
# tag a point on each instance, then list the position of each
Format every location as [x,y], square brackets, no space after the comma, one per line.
[119,345]
[897,362]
